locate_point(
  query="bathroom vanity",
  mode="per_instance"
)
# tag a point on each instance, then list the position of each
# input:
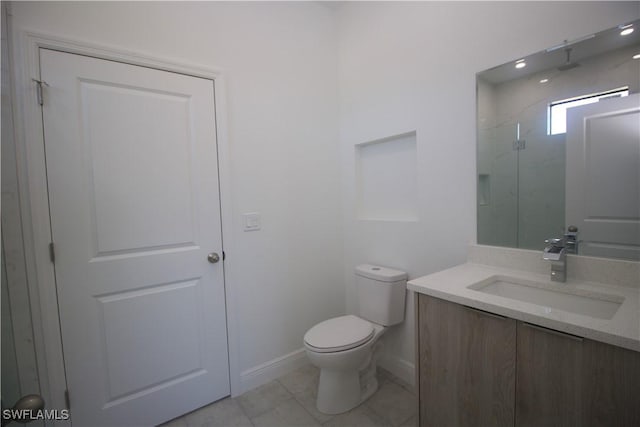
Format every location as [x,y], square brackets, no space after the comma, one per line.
[498,346]
[502,340]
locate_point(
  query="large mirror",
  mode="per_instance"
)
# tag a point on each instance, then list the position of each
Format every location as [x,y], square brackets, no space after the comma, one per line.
[558,138]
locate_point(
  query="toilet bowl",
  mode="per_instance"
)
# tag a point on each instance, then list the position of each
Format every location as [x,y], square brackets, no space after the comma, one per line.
[346,361]
[345,347]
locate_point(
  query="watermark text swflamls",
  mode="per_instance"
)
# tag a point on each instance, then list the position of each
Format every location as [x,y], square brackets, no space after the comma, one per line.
[35,414]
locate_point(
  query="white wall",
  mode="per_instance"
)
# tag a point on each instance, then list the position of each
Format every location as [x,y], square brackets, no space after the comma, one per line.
[411,66]
[279,64]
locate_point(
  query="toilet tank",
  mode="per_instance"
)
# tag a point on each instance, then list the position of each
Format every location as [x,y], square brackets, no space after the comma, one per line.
[381,294]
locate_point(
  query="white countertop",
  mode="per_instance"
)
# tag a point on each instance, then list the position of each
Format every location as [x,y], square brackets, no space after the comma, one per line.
[622,330]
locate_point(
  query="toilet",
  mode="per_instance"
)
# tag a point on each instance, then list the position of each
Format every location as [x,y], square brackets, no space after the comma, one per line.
[344,348]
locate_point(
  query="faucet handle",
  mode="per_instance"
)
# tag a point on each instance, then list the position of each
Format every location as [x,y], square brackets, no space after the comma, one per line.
[571,239]
[554,242]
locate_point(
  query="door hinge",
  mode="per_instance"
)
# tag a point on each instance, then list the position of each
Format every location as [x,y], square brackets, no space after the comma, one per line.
[52,252]
[39,94]
[224,255]
[67,399]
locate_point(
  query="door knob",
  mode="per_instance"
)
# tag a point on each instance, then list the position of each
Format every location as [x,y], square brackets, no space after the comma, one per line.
[24,410]
[213,257]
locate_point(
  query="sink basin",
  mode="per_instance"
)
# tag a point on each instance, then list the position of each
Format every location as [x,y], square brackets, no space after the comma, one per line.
[598,305]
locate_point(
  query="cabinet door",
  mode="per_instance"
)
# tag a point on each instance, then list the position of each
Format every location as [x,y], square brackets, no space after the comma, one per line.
[611,385]
[549,378]
[466,365]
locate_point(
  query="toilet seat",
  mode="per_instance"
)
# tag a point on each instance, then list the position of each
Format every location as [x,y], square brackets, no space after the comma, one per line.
[339,334]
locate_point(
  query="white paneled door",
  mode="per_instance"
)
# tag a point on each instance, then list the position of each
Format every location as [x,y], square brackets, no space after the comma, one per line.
[135,212]
[603,176]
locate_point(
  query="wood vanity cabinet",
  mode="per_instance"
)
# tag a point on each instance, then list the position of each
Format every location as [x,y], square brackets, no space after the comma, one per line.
[479,369]
[564,380]
[466,364]
[611,385]
[549,378]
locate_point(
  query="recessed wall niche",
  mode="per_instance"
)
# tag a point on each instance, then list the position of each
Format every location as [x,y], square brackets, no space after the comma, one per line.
[484,189]
[386,179]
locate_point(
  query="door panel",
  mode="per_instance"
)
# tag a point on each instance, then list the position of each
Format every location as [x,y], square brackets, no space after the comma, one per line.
[117,140]
[133,188]
[603,176]
[132,337]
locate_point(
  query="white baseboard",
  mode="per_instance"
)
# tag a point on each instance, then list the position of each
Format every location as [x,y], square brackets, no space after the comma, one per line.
[401,368]
[269,371]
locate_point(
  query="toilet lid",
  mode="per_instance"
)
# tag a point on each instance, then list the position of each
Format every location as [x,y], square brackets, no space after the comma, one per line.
[339,334]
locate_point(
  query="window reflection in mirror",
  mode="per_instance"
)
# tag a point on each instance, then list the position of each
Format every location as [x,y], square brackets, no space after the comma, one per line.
[557,122]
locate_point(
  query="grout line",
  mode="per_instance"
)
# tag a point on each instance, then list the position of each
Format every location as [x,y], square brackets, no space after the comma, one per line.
[283,386]
[309,413]
[242,410]
[303,407]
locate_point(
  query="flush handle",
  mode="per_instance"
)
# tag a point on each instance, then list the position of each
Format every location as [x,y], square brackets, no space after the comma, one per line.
[213,257]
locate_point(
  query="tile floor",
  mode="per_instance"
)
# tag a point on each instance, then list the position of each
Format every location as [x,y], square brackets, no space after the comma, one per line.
[290,401]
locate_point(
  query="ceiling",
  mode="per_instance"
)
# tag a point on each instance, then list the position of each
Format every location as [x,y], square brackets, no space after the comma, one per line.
[549,59]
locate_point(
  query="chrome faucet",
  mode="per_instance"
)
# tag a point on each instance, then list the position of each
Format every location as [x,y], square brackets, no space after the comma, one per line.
[556,253]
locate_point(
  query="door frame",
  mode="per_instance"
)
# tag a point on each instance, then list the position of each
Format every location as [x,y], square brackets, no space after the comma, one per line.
[34,199]
[13,255]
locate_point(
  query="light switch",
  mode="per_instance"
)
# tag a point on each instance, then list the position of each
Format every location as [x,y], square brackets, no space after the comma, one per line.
[252,221]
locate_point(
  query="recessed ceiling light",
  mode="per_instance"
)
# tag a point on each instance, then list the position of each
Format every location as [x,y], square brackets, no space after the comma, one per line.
[520,63]
[544,80]
[626,31]
[636,56]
